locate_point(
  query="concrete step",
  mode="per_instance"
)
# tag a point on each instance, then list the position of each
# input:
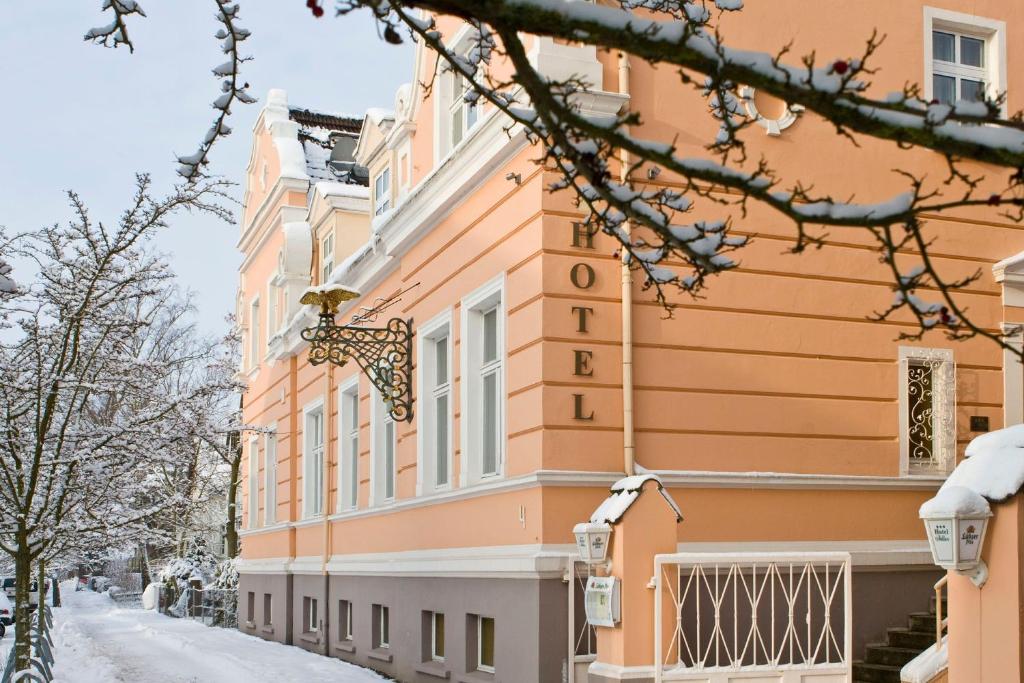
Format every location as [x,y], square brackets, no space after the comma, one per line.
[875,673]
[922,621]
[903,637]
[887,654]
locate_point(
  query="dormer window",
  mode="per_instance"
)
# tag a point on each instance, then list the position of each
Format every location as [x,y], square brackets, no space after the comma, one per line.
[462,113]
[382,192]
[326,258]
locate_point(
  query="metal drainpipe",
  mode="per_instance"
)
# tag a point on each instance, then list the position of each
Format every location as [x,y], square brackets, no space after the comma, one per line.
[326,611]
[628,445]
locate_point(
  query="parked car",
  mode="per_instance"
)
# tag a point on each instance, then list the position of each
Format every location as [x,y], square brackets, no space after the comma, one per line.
[6,613]
[9,590]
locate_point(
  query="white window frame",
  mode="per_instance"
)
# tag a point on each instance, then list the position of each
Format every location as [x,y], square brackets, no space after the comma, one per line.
[480,643]
[270,476]
[473,306]
[254,482]
[992,31]
[346,633]
[383,626]
[326,257]
[944,410]
[348,444]
[429,391]
[380,425]
[254,333]
[444,105]
[309,477]
[382,191]
[313,623]
[433,637]
[1013,375]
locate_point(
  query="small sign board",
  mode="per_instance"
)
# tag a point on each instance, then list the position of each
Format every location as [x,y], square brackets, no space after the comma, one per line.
[602,601]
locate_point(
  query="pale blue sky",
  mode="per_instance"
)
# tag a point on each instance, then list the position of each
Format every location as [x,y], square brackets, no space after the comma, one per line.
[78,116]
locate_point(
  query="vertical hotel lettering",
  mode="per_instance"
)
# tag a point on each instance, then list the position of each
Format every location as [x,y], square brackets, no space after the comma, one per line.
[582,276]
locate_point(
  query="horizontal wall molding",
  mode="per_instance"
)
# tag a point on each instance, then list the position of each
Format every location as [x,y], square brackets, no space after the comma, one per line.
[671,478]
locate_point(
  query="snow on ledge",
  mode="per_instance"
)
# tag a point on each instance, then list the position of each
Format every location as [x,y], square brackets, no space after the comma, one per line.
[624,492]
[924,667]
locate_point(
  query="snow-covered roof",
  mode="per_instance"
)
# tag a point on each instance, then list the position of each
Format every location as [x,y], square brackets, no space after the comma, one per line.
[993,468]
[624,493]
[317,133]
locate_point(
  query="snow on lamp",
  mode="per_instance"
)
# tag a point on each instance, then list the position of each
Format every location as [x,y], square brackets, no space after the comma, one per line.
[592,541]
[956,520]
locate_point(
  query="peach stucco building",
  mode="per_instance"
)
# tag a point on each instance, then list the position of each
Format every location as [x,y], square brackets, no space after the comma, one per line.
[776,415]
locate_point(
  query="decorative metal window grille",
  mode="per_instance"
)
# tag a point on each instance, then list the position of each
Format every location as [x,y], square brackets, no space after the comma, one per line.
[929,410]
[764,613]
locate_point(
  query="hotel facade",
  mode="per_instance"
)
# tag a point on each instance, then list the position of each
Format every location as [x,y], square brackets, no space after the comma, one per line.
[776,415]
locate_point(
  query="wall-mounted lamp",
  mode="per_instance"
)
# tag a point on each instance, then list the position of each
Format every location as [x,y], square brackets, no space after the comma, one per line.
[956,520]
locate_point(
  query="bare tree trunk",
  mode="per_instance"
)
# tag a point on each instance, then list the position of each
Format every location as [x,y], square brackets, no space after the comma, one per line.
[40,606]
[22,617]
[231,533]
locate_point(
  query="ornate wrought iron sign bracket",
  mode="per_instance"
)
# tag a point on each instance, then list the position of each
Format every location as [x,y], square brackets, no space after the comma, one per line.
[383,353]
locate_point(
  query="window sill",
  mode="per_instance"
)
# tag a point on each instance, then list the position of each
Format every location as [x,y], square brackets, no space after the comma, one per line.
[346,646]
[433,668]
[475,677]
[311,637]
[381,654]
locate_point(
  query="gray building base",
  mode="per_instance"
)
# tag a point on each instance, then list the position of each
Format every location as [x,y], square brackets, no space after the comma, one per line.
[531,620]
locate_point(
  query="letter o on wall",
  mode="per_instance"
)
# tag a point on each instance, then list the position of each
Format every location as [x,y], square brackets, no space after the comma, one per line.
[582,276]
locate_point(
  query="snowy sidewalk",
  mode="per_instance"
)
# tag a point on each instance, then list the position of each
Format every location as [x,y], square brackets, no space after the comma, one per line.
[96,642]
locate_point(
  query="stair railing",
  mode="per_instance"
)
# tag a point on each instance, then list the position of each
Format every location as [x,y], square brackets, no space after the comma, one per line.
[940,623]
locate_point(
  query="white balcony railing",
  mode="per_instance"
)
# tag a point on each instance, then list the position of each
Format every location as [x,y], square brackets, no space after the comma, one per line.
[780,616]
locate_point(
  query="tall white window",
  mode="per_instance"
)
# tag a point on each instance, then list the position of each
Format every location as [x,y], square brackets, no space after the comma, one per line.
[383,447]
[326,258]
[254,333]
[965,56]
[348,440]
[270,477]
[382,192]
[435,426]
[463,111]
[927,410]
[254,482]
[483,401]
[313,460]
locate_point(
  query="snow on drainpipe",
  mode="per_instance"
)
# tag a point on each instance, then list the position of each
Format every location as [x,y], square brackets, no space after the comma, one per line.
[628,447]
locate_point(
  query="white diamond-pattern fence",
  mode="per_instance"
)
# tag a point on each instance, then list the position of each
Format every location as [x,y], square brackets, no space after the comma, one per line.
[738,612]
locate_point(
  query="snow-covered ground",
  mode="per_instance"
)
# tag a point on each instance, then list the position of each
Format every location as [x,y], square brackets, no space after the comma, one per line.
[97,642]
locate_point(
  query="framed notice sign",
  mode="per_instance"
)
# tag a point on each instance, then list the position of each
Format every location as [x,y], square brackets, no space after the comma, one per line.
[602,601]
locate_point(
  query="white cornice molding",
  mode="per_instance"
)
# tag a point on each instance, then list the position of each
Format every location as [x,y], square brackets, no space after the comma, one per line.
[263,565]
[531,561]
[670,478]
[1010,274]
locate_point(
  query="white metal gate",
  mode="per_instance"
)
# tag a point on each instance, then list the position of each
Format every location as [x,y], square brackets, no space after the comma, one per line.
[582,637]
[769,618]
